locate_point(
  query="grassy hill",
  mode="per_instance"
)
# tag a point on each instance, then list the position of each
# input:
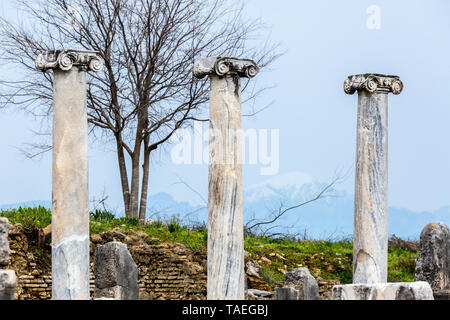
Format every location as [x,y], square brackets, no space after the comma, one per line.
[326,260]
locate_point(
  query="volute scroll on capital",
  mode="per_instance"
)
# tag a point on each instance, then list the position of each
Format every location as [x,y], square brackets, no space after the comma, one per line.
[221,66]
[372,82]
[65,60]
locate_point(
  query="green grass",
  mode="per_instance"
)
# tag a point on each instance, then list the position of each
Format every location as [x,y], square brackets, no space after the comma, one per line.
[401,265]
[165,231]
[29,218]
[271,277]
[331,260]
[327,259]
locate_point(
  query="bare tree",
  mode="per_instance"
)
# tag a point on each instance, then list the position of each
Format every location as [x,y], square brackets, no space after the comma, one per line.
[146,90]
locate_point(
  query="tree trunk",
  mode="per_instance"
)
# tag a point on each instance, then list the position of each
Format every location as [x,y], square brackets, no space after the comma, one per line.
[145,176]
[134,196]
[123,175]
[135,161]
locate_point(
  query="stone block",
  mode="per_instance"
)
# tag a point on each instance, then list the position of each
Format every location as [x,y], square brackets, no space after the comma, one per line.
[433,260]
[384,291]
[4,244]
[259,294]
[8,284]
[116,273]
[301,280]
[442,295]
[287,293]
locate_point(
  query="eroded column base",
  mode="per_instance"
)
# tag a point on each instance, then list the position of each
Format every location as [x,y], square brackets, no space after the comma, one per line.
[287,293]
[70,269]
[8,284]
[419,290]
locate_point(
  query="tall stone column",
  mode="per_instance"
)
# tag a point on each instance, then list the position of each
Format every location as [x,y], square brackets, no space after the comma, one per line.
[225,211]
[70,201]
[370,235]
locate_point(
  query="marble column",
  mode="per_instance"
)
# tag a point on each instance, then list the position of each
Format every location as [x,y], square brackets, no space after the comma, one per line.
[225,211]
[70,201]
[370,235]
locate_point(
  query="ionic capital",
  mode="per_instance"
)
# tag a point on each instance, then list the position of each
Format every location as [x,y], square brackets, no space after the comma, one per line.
[372,82]
[66,59]
[221,66]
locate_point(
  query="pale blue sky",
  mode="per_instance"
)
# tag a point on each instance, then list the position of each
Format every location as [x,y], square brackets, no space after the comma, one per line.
[325,41]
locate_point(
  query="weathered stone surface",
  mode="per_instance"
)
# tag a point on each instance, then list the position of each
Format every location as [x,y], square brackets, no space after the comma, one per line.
[442,295]
[226,274]
[4,244]
[116,273]
[287,293]
[373,82]
[70,196]
[221,66]
[301,280]
[70,268]
[167,271]
[259,294]
[433,260]
[384,291]
[65,60]
[252,269]
[8,284]
[225,199]
[370,245]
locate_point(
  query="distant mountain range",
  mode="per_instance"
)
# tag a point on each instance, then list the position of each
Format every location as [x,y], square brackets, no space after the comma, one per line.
[327,218]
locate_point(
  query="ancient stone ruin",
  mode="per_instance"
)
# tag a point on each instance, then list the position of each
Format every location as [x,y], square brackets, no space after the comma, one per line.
[70,196]
[299,285]
[4,244]
[225,208]
[370,238]
[116,273]
[384,291]
[433,260]
[8,279]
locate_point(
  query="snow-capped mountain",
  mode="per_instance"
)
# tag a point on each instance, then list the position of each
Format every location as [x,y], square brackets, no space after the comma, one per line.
[330,216]
[282,186]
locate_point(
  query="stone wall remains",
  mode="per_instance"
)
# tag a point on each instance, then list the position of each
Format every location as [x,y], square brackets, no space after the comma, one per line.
[166,270]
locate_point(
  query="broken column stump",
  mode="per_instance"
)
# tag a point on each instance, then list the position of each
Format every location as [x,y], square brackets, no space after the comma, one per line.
[433,260]
[8,284]
[116,273]
[384,291]
[299,285]
[8,279]
[4,244]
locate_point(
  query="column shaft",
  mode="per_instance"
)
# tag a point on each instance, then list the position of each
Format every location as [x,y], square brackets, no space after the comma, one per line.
[225,210]
[70,198]
[370,246]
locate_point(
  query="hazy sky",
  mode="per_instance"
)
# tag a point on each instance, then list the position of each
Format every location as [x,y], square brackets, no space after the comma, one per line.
[325,41]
